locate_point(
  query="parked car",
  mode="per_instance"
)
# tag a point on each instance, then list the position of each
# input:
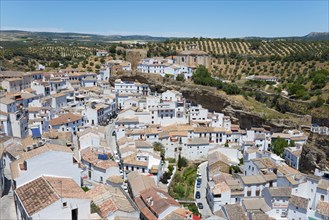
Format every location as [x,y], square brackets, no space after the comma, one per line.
[199,181]
[197,195]
[198,185]
[200,206]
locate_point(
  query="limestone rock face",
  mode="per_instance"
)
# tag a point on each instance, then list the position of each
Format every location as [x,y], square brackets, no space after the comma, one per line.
[209,98]
[315,154]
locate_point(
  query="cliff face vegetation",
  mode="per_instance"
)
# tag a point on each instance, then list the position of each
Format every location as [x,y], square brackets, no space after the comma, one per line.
[248,113]
[315,154]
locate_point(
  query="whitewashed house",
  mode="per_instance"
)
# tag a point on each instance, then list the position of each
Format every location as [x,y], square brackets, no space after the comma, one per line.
[292,156]
[49,159]
[99,165]
[143,162]
[104,74]
[297,207]
[277,198]
[48,197]
[88,138]
[174,70]
[67,122]
[59,101]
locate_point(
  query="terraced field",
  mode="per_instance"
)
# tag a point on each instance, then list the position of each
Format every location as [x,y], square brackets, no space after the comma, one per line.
[279,48]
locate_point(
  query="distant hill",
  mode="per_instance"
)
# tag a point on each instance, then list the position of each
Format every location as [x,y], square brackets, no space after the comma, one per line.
[17,35]
[13,35]
[317,36]
[311,36]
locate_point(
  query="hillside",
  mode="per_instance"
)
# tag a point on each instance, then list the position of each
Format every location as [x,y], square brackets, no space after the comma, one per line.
[14,35]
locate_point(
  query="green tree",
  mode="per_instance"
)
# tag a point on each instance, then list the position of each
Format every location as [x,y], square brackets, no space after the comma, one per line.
[182,162]
[157,146]
[279,145]
[180,77]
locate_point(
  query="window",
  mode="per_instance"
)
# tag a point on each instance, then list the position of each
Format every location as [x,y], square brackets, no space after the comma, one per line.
[322,198]
[64,204]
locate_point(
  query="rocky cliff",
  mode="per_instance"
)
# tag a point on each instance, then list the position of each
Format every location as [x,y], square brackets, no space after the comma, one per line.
[315,154]
[214,100]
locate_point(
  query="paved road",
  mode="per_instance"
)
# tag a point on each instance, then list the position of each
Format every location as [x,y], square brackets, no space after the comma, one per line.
[206,211]
[111,140]
[7,203]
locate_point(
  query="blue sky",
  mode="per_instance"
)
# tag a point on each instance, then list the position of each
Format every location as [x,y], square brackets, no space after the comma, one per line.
[214,18]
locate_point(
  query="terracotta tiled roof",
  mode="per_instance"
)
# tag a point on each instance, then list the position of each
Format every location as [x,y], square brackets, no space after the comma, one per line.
[110,199]
[63,119]
[235,211]
[299,202]
[323,184]
[139,182]
[280,191]
[208,129]
[323,208]
[132,160]
[157,200]
[44,191]
[144,209]
[91,156]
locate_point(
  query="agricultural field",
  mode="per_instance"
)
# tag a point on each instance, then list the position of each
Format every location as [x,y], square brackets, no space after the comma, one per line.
[277,47]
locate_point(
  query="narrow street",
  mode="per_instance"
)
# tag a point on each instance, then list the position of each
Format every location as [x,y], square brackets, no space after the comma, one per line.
[7,203]
[206,211]
[111,140]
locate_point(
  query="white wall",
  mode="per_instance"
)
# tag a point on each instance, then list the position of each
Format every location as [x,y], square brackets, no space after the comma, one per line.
[57,211]
[89,140]
[51,163]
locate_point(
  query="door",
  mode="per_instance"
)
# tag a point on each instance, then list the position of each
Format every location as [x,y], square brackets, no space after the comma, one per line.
[74,214]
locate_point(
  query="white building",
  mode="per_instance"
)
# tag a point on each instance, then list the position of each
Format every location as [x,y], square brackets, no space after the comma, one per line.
[125,87]
[297,208]
[320,129]
[150,65]
[67,122]
[102,53]
[277,198]
[88,138]
[52,198]
[98,165]
[292,156]
[174,70]
[143,162]
[53,160]
[59,101]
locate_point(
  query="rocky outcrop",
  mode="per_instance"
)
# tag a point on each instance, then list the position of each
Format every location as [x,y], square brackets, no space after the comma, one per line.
[315,154]
[211,99]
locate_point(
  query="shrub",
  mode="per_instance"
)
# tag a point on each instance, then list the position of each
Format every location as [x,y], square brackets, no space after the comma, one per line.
[182,162]
[278,146]
[180,77]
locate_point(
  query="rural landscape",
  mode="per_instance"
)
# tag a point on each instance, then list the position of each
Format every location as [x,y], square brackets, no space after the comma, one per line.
[218,110]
